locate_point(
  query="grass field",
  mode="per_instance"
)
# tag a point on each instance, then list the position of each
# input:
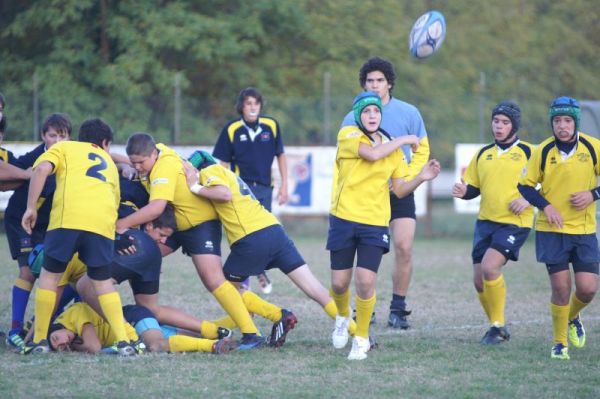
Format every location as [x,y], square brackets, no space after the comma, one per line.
[439,357]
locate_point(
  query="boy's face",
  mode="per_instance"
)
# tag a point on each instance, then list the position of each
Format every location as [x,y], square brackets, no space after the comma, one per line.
[251,109]
[501,127]
[564,128]
[378,84]
[143,164]
[52,136]
[158,234]
[61,339]
[371,118]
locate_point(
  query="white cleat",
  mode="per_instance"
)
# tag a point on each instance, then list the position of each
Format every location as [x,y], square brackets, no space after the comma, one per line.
[360,347]
[340,335]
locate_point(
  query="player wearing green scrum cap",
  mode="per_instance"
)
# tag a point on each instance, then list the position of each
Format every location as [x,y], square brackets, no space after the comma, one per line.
[566,167]
[367,158]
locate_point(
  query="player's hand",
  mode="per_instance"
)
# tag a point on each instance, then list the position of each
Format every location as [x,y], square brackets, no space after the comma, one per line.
[411,140]
[581,200]
[124,244]
[554,217]
[431,169]
[282,196]
[459,189]
[191,173]
[29,220]
[518,206]
[128,171]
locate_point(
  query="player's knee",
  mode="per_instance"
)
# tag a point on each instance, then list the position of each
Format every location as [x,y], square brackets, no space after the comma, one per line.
[403,250]
[25,274]
[478,283]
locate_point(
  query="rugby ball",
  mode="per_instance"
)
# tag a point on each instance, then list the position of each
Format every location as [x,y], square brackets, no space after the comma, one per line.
[427,34]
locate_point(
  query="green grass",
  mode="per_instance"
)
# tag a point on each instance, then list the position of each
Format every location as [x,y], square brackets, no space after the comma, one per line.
[439,357]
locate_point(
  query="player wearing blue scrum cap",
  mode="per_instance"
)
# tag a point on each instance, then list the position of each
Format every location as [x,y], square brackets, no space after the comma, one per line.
[505,218]
[366,159]
[566,167]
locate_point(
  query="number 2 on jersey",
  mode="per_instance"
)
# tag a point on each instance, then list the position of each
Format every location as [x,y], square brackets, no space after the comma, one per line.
[95,170]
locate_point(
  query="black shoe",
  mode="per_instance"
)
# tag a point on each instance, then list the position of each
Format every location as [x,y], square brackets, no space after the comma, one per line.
[251,341]
[371,322]
[36,349]
[223,332]
[281,328]
[495,335]
[398,319]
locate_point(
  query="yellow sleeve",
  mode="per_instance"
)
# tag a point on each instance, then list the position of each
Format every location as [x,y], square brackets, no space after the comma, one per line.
[401,170]
[533,175]
[419,159]
[213,176]
[349,139]
[163,180]
[471,176]
[54,155]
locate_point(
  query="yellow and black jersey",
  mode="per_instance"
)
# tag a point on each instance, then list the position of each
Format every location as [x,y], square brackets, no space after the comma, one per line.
[167,182]
[74,271]
[87,188]
[243,214]
[80,314]
[496,173]
[361,190]
[560,177]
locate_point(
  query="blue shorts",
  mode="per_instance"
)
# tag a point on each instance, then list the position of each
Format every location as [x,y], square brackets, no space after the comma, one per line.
[557,250]
[94,250]
[21,243]
[203,239]
[403,207]
[504,238]
[345,234]
[268,248]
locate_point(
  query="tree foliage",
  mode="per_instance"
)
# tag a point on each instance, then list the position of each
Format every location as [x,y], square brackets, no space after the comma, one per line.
[119,59]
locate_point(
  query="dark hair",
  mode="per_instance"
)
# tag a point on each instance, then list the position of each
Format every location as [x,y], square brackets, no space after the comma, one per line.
[2,100]
[95,131]
[166,219]
[377,64]
[2,124]
[244,94]
[140,144]
[59,122]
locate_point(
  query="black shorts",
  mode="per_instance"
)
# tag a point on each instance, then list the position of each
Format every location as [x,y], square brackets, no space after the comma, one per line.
[20,243]
[94,250]
[203,239]
[268,248]
[136,281]
[403,207]
[557,250]
[504,238]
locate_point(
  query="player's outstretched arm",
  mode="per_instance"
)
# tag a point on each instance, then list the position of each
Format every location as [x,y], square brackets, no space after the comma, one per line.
[218,193]
[430,171]
[36,184]
[380,151]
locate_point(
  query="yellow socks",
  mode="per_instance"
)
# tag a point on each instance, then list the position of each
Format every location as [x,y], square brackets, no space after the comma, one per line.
[209,329]
[364,310]
[342,301]
[575,307]
[259,306]
[225,321]
[332,311]
[230,300]
[44,307]
[495,297]
[183,343]
[113,313]
[560,322]
[23,284]
[484,305]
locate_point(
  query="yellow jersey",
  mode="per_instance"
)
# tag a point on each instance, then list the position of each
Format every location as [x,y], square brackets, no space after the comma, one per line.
[559,178]
[496,173]
[87,188]
[361,191]
[166,181]
[243,214]
[80,314]
[74,271]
